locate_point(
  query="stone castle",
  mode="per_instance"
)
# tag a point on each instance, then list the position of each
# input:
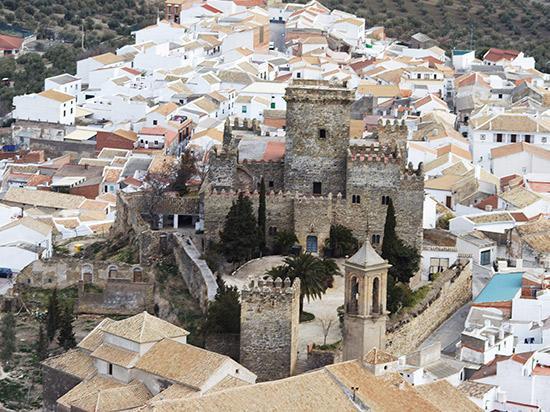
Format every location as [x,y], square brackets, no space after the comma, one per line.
[325,178]
[270,314]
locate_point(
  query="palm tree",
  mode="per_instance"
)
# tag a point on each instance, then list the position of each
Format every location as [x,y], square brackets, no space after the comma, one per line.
[316,275]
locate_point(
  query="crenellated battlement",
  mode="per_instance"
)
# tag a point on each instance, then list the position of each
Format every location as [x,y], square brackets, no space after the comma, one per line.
[376,152]
[272,286]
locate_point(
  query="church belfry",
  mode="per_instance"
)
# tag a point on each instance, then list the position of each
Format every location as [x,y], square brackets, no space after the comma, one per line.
[365,315]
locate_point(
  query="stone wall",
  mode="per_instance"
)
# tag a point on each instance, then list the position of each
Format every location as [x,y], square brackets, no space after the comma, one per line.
[224,343]
[55,384]
[269,328]
[450,291]
[154,243]
[119,297]
[54,148]
[198,277]
[62,272]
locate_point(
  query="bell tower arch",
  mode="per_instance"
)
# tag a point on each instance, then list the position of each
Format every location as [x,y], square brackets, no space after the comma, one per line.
[365,316]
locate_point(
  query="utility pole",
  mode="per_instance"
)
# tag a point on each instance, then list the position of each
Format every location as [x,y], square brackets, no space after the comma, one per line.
[82,37]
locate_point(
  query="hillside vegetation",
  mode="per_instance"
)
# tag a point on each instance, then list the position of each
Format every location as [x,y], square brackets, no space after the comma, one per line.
[102,20]
[518,24]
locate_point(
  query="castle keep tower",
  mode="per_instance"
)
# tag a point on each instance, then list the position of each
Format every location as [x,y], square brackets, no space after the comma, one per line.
[269,327]
[317,130]
[365,313]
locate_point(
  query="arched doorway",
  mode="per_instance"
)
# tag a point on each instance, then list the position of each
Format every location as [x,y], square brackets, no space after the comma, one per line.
[311,244]
[376,295]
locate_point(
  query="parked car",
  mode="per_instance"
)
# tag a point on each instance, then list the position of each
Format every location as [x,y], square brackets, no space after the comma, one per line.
[6,273]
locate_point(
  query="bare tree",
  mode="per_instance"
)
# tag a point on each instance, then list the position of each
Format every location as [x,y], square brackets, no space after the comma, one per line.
[156,184]
[326,324]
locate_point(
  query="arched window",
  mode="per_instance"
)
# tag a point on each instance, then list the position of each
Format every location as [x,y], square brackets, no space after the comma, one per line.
[385,200]
[375,296]
[375,239]
[138,274]
[353,304]
[112,271]
[356,199]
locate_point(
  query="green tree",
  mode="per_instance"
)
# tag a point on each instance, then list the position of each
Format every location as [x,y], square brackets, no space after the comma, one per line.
[262,216]
[404,259]
[283,242]
[63,58]
[41,345]
[316,275]
[239,237]
[53,317]
[185,171]
[66,337]
[341,241]
[224,313]
[8,339]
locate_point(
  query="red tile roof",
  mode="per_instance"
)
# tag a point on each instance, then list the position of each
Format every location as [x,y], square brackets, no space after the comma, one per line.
[519,217]
[211,8]
[488,201]
[540,187]
[131,71]
[495,55]
[10,42]
[274,151]
[38,180]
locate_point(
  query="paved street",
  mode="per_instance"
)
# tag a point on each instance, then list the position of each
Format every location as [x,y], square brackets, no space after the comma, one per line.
[449,332]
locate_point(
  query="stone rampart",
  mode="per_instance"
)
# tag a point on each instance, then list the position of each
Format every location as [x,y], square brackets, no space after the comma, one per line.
[198,277]
[450,291]
[119,297]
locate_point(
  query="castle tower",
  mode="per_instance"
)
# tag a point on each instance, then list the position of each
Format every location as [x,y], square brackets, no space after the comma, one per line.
[317,136]
[365,313]
[269,327]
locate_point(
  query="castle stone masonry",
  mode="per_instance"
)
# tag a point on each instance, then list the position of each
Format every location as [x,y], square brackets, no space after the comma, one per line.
[325,178]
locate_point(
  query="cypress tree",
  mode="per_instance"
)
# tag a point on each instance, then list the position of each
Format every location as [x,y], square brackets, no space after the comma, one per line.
[8,338]
[186,170]
[66,337]
[262,216]
[52,321]
[239,237]
[41,348]
[403,258]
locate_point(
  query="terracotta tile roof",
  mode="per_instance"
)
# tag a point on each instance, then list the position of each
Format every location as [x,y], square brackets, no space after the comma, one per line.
[108,58]
[475,389]
[143,327]
[211,8]
[491,218]
[166,108]
[125,397]
[115,355]
[111,174]
[175,391]
[274,151]
[538,187]
[446,397]
[451,148]
[519,197]
[541,370]
[57,96]
[10,42]
[187,364]
[488,201]
[39,180]
[31,223]
[93,339]
[512,123]
[495,55]
[99,205]
[74,362]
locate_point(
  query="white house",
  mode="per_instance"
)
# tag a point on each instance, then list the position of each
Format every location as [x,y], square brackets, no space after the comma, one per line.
[162,32]
[30,231]
[64,83]
[439,252]
[273,92]
[519,158]
[482,249]
[85,66]
[48,106]
[462,60]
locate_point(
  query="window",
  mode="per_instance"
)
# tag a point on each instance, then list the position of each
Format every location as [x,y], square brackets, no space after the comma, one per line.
[243,109]
[499,137]
[438,264]
[271,183]
[273,105]
[527,138]
[322,133]
[500,96]
[356,199]
[418,76]
[543,139]
[513,138]
[482,137]
[155,122]
[71,110]
[110,372]
[298,75]
[317,188]
[385,200]
[485,258]
[375,239]
[64,113]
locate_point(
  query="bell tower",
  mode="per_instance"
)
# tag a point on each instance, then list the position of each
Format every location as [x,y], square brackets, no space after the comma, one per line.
[365,315]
